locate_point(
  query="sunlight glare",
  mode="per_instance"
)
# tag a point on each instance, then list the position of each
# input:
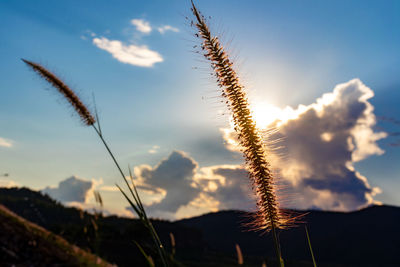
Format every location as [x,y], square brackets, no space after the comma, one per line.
[265,114]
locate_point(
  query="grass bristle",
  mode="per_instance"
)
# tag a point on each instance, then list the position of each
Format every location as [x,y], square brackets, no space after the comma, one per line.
[83,112]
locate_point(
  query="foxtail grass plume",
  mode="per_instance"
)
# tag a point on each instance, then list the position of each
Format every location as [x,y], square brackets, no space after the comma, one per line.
[90,120]
[84,113]
[269,216]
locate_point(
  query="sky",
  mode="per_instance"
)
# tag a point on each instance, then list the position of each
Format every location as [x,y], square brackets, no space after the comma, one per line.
[323,75]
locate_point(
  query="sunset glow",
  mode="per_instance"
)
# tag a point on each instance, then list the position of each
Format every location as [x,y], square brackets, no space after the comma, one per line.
[160,115]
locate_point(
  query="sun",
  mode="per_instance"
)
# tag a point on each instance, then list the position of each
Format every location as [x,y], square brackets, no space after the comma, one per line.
[264,114]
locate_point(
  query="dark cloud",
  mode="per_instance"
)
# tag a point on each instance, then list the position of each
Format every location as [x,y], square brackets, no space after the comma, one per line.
[174,175]
[190,190]
[72,189]
[235,191]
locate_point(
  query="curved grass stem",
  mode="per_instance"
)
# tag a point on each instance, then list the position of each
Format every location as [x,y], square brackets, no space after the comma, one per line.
[310,247]
[137,206]
[90,120]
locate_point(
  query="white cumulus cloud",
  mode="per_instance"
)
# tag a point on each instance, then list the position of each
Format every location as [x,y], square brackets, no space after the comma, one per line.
[137,55]
[165,28]
[5,142]
[141,25]
[321,142]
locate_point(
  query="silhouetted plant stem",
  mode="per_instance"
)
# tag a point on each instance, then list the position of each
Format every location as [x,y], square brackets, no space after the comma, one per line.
[277,246]
[89,120]
[138,207]
[309,245]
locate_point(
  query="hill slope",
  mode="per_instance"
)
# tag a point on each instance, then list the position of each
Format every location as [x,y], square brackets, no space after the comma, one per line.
[23,243]
[110,237]
[368,237]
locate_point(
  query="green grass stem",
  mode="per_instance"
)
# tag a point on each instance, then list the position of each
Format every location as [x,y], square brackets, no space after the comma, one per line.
[309,245]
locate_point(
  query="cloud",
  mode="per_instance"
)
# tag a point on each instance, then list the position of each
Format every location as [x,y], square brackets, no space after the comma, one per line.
[73,189]
[131,54]
[88,34]
[5,142]
[154,149]
[175,176]
[165,28]
[109,188]
[79,193]
[141,25]
[321,143]
[7,183]
[181,189]
[228,185]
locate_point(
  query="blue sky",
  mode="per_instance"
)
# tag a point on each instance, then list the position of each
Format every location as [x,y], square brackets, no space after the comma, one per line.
[287,53]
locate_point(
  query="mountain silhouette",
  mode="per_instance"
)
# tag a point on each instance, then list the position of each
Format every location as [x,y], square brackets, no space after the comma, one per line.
[368,237]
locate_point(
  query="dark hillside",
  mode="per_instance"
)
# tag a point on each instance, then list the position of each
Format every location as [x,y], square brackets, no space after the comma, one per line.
[369,237]
[110,237]
[23,243]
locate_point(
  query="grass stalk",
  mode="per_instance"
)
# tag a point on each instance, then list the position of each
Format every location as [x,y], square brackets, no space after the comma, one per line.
[269,216]
[277,247]
[90,120]
[137,206]
[309,245]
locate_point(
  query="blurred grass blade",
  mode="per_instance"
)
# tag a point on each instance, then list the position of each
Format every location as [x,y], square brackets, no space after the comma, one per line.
[139,202]
[96,114]
[281,262]
[139,213]
[149,260]
[239,255]
[172,238]
[309,245]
